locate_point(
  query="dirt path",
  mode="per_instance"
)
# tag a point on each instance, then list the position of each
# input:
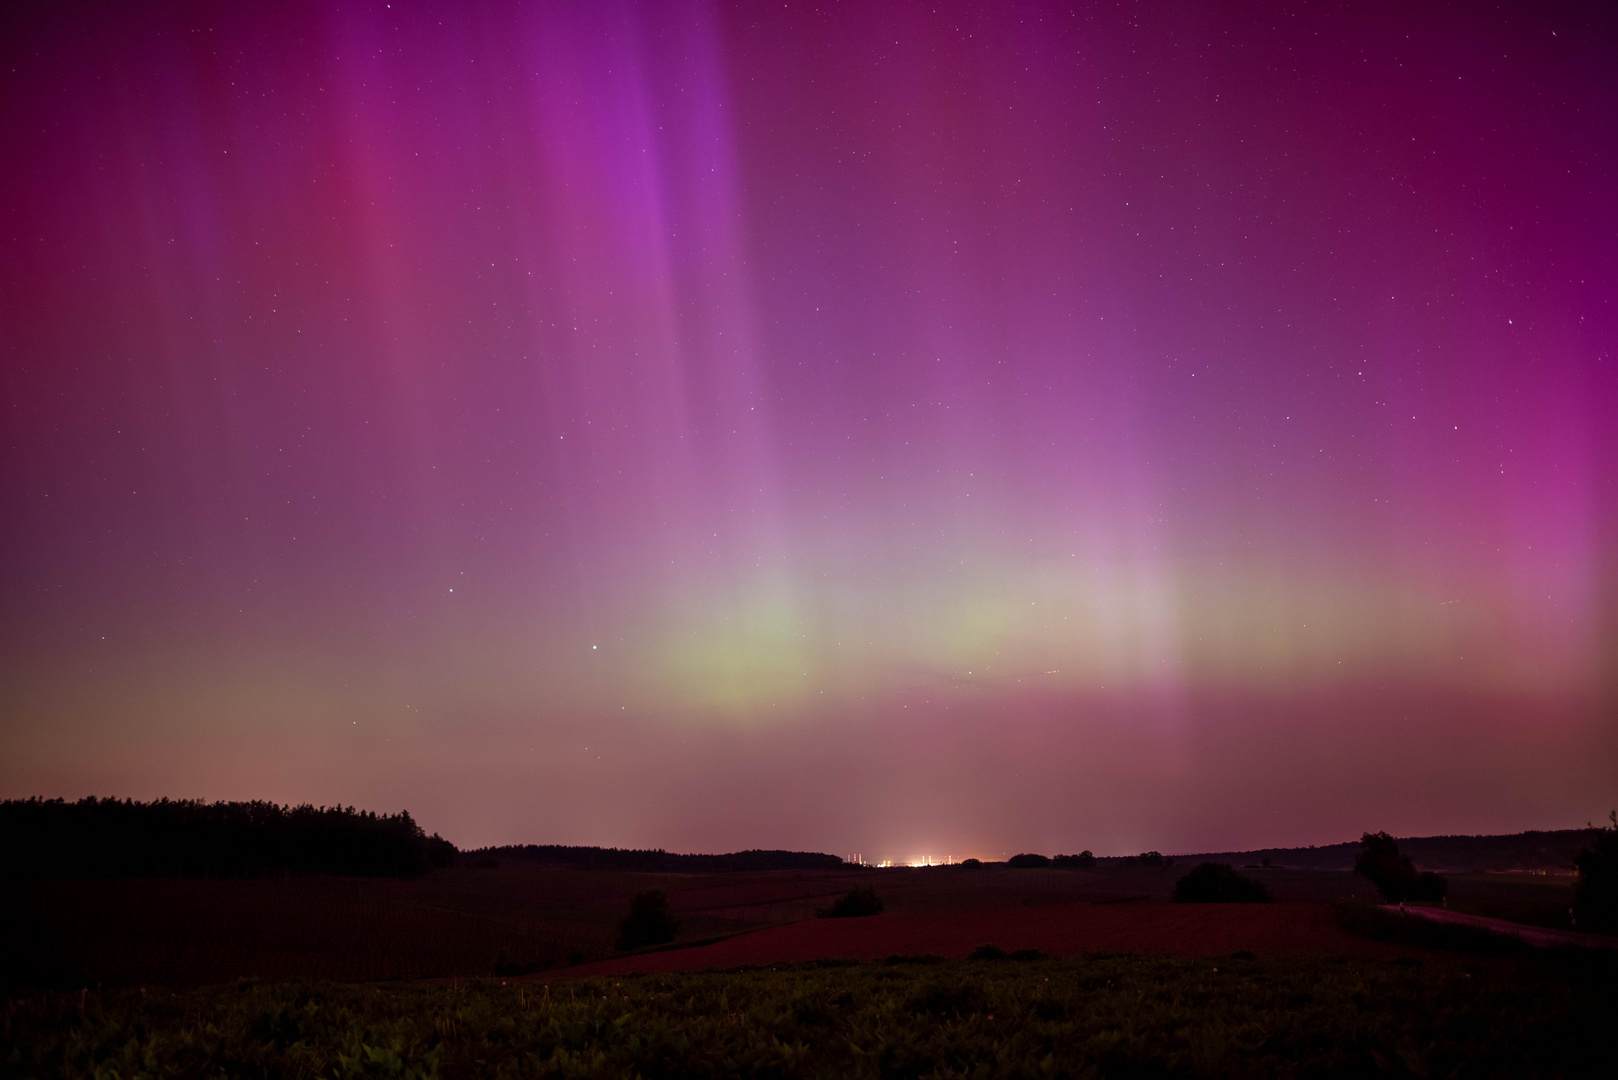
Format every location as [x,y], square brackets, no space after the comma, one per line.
[1543,936]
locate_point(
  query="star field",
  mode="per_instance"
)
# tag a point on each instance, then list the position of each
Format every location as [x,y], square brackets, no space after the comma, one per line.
[854,427]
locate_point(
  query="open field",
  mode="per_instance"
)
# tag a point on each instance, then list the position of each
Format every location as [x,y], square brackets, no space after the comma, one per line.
[465,922]
[1149,927]
[1104,978]
[1097,1015]
[456,922]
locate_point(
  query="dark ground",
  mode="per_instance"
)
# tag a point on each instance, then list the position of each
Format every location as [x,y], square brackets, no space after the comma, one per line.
[1098,1015]
[469,922]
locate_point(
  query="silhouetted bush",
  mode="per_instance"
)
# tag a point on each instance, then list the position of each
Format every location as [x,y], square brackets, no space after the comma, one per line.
[1393,874]
[1151,858]
[51,838]
[1218,883]
[1027,862]
[853,904]
[995,952]
[1596,904]
[650,921]
[972,864]
[1084,860]
[1428,887]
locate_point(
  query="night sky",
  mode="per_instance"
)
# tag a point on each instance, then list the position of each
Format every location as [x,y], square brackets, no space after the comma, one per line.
[897,429]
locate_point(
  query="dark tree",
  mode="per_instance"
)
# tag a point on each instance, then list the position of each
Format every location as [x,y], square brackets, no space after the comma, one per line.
[1595,906]
[1218,883]
[1152,858]
[1084,860]
[650,921]
[1394,875]
[972,864]
[50,838]
[1429,888]
[853,904]
[439,852]
[1027,862]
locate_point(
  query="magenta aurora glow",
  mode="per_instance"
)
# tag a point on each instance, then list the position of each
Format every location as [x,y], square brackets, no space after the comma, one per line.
[904,429]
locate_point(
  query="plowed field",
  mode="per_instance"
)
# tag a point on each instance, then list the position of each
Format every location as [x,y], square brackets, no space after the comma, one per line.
[1294,929]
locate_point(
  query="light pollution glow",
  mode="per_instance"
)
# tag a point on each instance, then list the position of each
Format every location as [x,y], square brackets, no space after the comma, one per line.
[876,428]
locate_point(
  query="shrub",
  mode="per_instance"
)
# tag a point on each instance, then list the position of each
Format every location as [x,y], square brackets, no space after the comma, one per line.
[854,904]
[1393,874]
[1152,858]
[1428,887]
[1595,906]
[650,921]
[1027,862]
[1084,860]
[972,864]
[995,952]
[1218,883]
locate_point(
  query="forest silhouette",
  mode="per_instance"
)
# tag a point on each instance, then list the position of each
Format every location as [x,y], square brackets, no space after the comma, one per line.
[107,838]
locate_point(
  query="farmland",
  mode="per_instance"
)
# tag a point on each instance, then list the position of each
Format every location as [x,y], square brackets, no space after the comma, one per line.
[509,970]
[468,922]
[178,930]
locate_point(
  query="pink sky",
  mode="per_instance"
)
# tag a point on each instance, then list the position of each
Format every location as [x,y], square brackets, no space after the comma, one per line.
[875,429]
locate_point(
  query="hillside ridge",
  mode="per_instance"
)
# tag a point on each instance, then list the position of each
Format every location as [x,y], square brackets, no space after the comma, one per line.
[1532,851]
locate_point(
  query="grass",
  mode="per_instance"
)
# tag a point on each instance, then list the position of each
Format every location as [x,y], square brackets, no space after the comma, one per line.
[1097,1016]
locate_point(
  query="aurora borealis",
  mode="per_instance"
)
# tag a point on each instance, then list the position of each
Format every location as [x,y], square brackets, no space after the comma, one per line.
[884,428]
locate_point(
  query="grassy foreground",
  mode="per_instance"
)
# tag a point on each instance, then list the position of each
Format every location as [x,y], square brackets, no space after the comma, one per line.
[1093,1016]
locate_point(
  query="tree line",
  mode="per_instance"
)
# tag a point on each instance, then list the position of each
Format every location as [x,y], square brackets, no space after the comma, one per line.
[100,838]
[1536,850]
[653,860]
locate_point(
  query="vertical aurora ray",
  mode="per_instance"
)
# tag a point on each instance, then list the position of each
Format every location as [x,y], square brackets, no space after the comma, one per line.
[640,424]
